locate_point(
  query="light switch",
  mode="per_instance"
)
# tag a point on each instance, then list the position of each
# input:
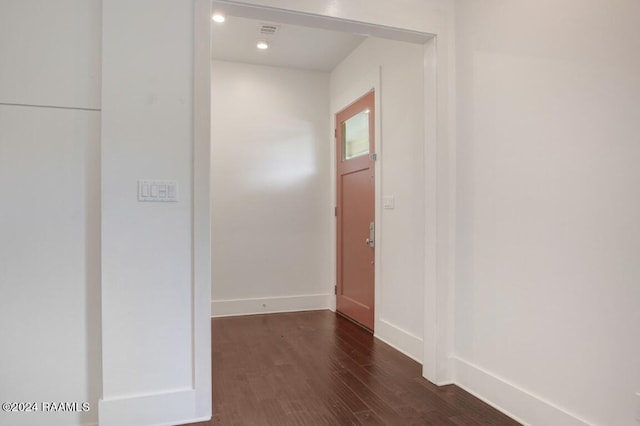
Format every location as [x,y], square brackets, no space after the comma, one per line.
[157,190]
[388,202]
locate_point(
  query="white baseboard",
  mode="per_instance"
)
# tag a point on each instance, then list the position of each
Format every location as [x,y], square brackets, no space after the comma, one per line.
[517,403]
[400,339]
[268,305]
[189,421]
[161,409]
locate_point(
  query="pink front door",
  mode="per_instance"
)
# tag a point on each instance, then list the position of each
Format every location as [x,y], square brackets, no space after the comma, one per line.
[355,211]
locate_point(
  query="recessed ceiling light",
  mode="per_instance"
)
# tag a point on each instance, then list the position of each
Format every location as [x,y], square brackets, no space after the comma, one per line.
[262,45]
[218,17]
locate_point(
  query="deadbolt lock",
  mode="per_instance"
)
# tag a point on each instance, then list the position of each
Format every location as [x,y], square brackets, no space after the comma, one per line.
[372,235]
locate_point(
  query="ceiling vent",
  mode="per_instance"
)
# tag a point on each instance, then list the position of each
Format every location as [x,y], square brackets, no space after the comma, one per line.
[269,29]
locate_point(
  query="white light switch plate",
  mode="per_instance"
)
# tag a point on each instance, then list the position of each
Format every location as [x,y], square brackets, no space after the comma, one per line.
[157,190]
[388,202]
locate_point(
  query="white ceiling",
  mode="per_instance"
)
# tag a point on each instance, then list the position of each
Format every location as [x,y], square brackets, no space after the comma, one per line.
[292,46]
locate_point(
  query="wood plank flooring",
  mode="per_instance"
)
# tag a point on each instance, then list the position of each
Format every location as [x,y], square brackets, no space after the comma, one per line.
[317,368]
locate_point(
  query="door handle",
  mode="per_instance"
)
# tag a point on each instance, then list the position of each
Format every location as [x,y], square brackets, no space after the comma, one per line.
[372,234]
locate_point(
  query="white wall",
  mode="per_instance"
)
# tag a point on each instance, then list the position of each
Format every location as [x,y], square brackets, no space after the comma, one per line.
[150,361]
[155,256]
[50,208]
[400,239]
[50,52]
[270,189]
[547,318]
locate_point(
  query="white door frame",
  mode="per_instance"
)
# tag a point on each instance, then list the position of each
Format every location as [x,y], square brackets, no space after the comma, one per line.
[439,152]
[366,83]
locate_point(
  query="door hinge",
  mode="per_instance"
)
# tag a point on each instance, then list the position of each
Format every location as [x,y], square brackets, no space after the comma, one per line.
[373,157]
[335,289]
[335,211]
[335,133]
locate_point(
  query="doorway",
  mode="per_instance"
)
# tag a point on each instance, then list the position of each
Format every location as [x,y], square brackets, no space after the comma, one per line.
[434,349]
[355,211]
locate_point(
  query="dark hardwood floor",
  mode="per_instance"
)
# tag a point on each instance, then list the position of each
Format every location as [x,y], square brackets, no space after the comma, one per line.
[317,368]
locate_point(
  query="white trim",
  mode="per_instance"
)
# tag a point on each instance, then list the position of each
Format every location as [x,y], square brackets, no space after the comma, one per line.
[201,213]
[430,306]
[270,305]
[304,19]
[189,421]
[514,401]
[400,339]
[160,409]
[439,159]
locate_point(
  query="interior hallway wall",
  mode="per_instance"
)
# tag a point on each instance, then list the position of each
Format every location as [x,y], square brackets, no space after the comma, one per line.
[156,262]
[401,231]
[547,294]
[50,208]
[270,189]
[61,63]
